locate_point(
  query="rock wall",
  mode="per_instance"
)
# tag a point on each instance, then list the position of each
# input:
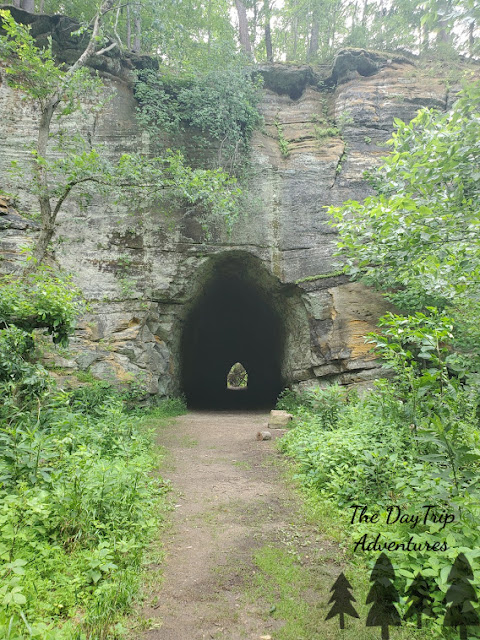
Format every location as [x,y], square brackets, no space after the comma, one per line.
[142,270]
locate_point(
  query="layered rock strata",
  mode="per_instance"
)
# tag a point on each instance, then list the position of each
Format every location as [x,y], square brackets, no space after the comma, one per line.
[143,271]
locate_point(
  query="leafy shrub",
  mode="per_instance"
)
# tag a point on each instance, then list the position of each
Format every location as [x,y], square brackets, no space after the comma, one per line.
[21,380]
[417,238]
[321,404]
[326,403]
[237,376]
[222,105]
[15,346]
[78,504]
[89,399]
[322,132]
[289,400]
[78,500]
[411,442]
[359,459]
[42,299]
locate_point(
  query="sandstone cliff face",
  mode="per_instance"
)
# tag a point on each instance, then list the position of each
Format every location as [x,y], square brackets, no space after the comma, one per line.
[143,272]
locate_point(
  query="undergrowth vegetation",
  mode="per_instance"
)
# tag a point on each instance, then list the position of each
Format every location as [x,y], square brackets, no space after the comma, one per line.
[79,501]
[219,107]
[367,451]
[409,450]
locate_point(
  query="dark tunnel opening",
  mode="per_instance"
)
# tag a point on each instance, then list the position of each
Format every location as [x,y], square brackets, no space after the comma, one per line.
[233,320]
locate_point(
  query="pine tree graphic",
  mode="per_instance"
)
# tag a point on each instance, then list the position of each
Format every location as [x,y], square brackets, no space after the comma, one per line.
[383,594]
[419,599]
[341,598]
[461,594]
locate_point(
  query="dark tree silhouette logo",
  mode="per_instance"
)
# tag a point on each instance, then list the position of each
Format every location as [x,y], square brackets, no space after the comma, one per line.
[461,594]
[383,594]
[419,599]
[342,599]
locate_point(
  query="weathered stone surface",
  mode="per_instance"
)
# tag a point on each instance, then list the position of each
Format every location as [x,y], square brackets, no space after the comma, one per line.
[352,63]
[86,358]
[142,271]
[264,435]
[55,360]
[287,79]
[67,48]
[14,234]
[11,219]
[279,419]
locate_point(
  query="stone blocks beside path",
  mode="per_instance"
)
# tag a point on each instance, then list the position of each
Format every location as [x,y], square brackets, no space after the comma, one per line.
[264,435]
[279,419]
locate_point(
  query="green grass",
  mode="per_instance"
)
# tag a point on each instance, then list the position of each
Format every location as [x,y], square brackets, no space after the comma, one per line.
[242,464]
[293,591]
[281,583]
[188,442]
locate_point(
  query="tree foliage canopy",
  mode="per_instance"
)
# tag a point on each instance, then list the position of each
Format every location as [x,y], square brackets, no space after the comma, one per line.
[200,34]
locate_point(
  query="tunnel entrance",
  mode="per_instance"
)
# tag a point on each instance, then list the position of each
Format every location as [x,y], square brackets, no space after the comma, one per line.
[234,319]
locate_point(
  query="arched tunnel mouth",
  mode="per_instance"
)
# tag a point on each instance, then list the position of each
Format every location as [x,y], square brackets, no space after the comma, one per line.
[235,318]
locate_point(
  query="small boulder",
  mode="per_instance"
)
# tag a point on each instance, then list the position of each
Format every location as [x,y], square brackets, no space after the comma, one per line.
[279,419]
[264,435]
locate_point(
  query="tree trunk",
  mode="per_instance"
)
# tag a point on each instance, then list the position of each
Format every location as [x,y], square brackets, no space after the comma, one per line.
[354,16]
[16,3]
[209,26]
[41,246]
[333,30]
[314,39]
[28,5]
[295,38]
[49,214]
[383,13]
[129,29]
[342,620]
[444,34]
[106,6]
[47,217]
[471,38]
[41,6]
[137,24]
[243,27]
[268,32]
[425,37]
[364,14]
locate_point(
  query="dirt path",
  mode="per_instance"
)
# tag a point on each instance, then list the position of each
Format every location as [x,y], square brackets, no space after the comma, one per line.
[231,501]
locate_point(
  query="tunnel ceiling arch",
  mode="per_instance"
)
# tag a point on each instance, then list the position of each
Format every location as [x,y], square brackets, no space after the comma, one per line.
[234,317]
